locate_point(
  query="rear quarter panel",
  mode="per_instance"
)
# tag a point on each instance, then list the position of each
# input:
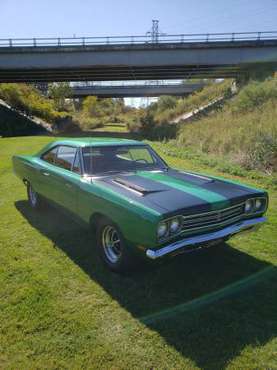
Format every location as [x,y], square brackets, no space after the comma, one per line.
[23,167]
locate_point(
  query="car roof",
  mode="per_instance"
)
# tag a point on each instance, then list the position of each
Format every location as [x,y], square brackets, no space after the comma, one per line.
[89,141]
[95,141]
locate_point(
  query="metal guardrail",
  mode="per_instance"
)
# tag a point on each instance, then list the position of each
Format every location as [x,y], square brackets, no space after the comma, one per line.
[112,84]
[130,40]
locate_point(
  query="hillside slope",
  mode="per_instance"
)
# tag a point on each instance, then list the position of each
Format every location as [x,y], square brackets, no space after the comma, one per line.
[23,108]
[14,123]
[244,131]
[160,119]
[211,92]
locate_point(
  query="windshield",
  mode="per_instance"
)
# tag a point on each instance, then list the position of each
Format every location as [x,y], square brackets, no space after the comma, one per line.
[107,159]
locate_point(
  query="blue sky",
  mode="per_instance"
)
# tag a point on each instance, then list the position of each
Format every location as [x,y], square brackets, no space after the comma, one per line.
[34,18]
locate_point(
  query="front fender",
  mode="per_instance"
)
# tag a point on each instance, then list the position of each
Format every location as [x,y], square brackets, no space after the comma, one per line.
[137,224]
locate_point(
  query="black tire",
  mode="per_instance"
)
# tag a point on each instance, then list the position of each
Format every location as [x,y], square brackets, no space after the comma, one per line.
[116,257]
[34,198]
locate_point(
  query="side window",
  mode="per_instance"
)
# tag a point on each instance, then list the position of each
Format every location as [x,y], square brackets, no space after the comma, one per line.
[77,164]
[65,157]
[50,155]
[141,154]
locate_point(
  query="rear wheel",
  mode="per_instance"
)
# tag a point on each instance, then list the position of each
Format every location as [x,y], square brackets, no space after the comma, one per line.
[112,247]
[34,198]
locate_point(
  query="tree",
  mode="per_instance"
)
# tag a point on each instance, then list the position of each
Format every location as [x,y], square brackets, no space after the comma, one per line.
[166,102]
[90,106]
[59,91]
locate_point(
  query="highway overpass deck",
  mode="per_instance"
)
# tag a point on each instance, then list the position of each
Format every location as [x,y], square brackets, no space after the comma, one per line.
[212,56]
[128,91]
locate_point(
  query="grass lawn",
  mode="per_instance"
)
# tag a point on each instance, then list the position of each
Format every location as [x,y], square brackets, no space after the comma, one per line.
[59,308]
[112,127]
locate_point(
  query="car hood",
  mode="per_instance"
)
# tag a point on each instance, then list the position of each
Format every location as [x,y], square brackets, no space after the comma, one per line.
[172,191]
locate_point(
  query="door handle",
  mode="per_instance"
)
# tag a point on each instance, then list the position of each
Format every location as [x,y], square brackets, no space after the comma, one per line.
[45,173]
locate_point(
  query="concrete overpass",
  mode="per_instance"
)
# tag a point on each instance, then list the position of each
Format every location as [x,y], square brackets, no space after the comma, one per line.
[130,91]
[218,55]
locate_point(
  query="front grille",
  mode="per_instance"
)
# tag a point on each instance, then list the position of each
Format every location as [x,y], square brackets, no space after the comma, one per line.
[213,218]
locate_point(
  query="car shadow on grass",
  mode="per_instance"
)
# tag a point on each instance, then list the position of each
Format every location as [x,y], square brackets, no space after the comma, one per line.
[211,336]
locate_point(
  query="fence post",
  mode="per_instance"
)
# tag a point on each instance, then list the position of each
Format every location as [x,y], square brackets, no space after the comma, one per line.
[233,36]
[10,42]
[83,41]
[59,41]
[207,38]
[259,36]
[34,42]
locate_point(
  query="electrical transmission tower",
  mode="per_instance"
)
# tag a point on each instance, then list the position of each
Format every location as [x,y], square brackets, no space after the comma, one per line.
[155,32]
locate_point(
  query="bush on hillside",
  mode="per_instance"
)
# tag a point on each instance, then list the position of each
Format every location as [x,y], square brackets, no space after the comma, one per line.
[152,130]
[28,100]
[254,95]
[86,121]
[96,112]
[244,132]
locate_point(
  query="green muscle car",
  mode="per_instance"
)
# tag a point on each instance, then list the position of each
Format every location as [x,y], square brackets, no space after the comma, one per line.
[136,203]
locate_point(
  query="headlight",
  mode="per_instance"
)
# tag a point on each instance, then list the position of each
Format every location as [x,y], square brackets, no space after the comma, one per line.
[254,205]
[258,204]
[169,227]
[162,230]
[249,206]
[174,225]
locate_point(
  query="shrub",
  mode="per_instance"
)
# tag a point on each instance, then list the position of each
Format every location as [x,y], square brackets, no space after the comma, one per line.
[27,99]
[254,95]
[86,121]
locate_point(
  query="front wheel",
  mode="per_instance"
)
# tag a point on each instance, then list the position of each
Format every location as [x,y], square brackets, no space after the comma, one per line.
[112,247]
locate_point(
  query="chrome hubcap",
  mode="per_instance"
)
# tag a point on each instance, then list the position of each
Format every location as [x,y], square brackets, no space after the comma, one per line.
[33,196]
[111,243]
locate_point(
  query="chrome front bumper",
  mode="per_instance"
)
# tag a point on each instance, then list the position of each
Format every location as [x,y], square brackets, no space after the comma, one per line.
[228,231]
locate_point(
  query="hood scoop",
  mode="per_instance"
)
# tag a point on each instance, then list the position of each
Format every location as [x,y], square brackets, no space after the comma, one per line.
[138,184]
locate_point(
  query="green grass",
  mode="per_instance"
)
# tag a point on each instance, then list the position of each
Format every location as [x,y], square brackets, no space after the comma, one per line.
[213,163]
[59,308]
[112,127]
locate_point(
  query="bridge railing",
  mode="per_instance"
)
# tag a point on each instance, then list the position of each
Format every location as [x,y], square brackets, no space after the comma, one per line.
[112,84]
[145,39]
[131,87]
